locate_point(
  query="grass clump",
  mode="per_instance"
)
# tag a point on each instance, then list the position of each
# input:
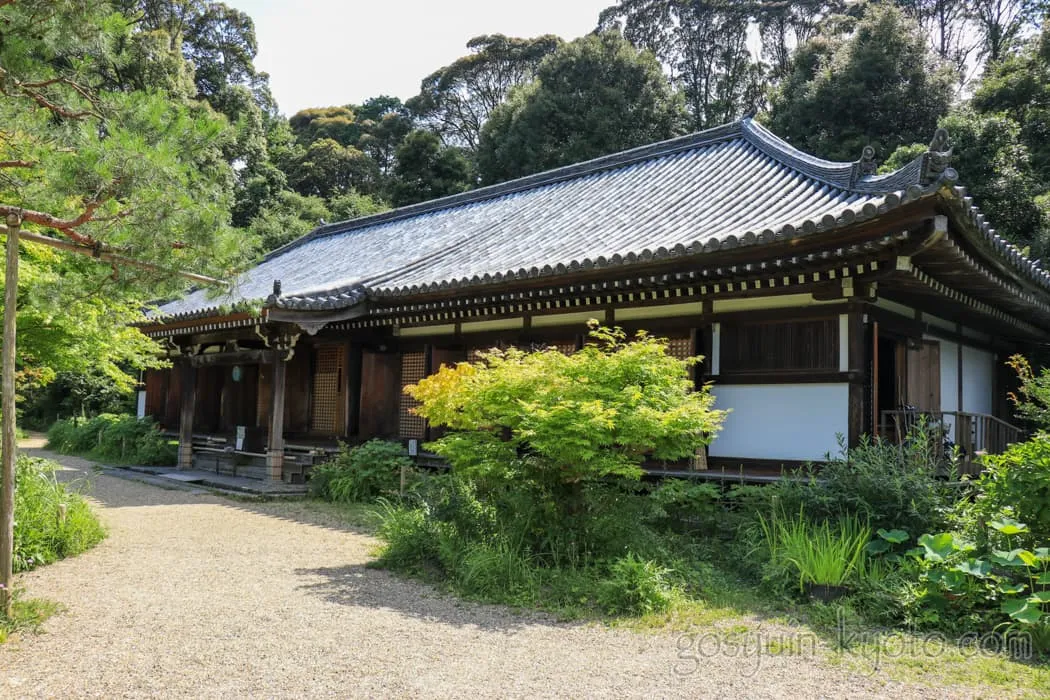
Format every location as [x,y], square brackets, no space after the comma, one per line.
[825,553]
[121,439]
[26,615]
[51,521]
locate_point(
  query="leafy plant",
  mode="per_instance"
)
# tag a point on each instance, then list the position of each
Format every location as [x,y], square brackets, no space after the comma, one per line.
[685,505]
[889,485]
[959,579]
[1032,398]
[548,426]
[360,473]
[635,586]
[1014,484]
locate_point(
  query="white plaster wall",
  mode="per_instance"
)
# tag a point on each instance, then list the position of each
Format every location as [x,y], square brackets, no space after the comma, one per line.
[978,380]
[781,421]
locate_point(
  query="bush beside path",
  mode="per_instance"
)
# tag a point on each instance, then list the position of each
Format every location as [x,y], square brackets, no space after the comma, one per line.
[196,595]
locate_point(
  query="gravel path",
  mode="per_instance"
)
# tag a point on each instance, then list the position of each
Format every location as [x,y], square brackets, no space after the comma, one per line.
[193,595]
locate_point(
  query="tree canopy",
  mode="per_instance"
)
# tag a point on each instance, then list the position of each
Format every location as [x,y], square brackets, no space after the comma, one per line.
[594,96]
[129,170]
[877,85]
[457,100]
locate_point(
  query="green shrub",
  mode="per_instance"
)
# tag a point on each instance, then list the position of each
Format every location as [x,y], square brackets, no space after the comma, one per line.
[1016,484]
[634,587]
[412,539]
[889,485]
[118,438]
[361,473]
[51,522]
[544,504]
[497,570]
[687,505]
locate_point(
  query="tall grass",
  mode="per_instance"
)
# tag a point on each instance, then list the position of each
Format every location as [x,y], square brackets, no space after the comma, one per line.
[116,438]
[51,521]
[826,553]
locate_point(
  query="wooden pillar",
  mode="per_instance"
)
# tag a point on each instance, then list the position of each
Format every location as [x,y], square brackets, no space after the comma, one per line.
[187,389]
[853,361]
[275,448]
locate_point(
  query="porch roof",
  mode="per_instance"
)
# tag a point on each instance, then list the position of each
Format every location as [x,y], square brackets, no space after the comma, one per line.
[735,185]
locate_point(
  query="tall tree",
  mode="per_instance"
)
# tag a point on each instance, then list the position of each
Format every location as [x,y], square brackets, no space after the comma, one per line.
[878,85]
[1002,24]
[134,174]
[948,25]
[426,169]
[1019,87]
[594,96]
[218,41]
[327,169]
[290,215]
[456,100]
[385,123]
[703,46]
[783,26]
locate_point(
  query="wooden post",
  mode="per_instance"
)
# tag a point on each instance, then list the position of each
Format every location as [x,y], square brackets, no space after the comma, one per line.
[7,471]
[275,448]
[187,391]
[875,379]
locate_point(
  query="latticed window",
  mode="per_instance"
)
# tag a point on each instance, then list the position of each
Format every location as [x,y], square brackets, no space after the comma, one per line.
[680,348]
[326,413]
[413,370]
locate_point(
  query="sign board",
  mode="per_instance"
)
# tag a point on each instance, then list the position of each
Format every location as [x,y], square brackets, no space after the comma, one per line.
[413,447]
[241,430]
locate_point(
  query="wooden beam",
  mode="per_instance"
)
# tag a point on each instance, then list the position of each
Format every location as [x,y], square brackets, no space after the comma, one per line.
[238,357]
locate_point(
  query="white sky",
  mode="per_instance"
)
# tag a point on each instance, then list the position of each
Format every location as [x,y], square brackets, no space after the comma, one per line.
[332,52]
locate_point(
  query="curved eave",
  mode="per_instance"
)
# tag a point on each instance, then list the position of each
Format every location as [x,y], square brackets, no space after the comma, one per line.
[1006,257]
[206,319]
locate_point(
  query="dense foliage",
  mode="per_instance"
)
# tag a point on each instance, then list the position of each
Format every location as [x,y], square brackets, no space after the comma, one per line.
[594,96]
[361,473]
[886,484]
[106,162]
[52,521]
[878,84]
[116,438]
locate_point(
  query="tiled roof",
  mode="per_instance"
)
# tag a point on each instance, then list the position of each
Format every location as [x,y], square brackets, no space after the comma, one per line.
[733,185]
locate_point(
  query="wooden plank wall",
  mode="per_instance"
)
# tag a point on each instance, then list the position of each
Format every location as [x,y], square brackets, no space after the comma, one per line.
[380,383]
[208,412]
[297,392]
